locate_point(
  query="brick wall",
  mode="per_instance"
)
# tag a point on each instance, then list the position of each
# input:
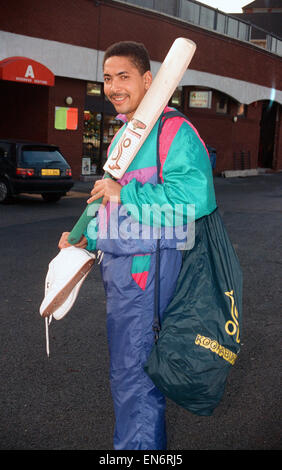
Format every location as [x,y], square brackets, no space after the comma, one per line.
[96,25]
[69,141]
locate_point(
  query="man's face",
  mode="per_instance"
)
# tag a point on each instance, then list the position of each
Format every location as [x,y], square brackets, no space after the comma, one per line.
[124,85]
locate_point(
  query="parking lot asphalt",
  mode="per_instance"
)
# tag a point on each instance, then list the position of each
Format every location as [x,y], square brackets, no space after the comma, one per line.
[63,402]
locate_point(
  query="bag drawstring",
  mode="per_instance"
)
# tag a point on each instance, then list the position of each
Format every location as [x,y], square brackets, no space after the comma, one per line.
[47,323]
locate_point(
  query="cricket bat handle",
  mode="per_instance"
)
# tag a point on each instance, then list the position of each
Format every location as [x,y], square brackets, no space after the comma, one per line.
[88,214]
[82,223]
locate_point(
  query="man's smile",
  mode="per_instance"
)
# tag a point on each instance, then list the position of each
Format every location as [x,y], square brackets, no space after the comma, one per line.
[118,98]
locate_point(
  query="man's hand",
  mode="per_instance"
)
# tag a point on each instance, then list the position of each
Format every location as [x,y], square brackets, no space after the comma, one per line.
[109,190]
[106,188]
[63,242]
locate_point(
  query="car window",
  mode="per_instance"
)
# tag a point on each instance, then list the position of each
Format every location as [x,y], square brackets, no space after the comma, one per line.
[33,155]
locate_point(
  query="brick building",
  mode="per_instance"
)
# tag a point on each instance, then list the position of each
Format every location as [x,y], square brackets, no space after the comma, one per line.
[51,77]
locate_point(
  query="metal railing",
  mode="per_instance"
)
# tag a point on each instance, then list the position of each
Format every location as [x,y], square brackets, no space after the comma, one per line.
[208,17]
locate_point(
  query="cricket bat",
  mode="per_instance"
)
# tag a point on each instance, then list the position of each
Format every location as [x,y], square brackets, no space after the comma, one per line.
[146,115]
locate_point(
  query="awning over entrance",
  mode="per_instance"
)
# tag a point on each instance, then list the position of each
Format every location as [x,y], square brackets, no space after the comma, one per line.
[23,69]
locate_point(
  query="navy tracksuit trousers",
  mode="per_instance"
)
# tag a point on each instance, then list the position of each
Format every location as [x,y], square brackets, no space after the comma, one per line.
[139,406]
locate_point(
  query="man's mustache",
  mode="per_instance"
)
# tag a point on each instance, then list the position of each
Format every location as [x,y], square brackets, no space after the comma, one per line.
[117,95]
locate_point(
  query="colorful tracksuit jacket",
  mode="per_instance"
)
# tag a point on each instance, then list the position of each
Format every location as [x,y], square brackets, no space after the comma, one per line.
[125,234]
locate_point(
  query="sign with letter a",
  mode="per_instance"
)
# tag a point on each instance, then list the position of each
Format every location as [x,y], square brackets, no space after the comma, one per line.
[23,69]
[29,72]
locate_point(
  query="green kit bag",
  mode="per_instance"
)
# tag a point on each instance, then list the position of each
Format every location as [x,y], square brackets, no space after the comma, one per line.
[199,338]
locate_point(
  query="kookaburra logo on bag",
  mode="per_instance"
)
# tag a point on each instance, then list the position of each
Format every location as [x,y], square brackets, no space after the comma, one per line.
[232,326]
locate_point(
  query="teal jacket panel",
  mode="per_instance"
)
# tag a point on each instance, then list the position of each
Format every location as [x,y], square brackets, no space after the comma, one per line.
[187,177]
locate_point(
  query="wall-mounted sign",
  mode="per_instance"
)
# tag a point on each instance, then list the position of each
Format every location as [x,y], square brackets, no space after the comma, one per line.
[66,118]
[23,69]
[200,99]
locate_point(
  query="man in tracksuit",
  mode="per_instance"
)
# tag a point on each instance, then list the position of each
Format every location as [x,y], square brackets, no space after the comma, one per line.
[129,257]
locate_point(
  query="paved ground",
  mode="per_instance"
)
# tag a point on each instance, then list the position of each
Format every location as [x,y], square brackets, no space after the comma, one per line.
[64,402]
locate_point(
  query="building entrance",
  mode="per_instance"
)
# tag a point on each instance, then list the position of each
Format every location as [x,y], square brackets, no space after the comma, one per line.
[268,125]
[24,111]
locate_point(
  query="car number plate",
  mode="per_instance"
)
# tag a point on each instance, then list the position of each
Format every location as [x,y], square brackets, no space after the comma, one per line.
[50,172]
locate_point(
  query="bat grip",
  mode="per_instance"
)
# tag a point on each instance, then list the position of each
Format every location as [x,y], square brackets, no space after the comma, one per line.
[82,223]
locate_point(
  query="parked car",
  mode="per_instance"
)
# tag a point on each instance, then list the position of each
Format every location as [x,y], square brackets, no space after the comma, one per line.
[29,167]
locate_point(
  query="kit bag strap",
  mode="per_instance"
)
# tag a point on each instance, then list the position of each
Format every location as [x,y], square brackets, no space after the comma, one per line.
[157,322]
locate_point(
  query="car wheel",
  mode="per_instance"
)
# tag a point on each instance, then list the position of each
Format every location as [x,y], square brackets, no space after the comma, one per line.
[51,197]
[5,192]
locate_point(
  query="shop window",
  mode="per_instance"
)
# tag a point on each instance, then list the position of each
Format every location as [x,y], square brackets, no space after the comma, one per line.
[91,142]
[94,89]
[110,126]
[222,105]
[99,130]
[176,99]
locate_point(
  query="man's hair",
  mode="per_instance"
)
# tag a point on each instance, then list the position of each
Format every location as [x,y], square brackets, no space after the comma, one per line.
[135,51]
